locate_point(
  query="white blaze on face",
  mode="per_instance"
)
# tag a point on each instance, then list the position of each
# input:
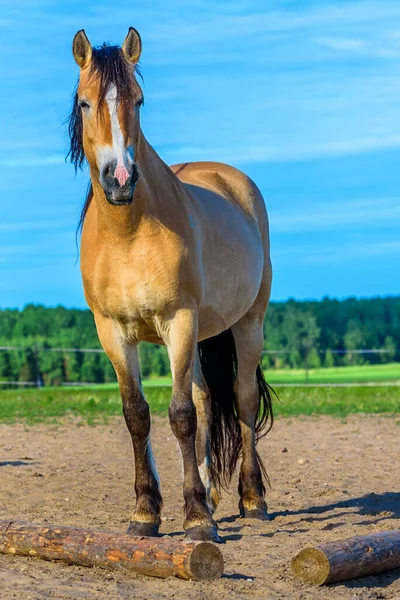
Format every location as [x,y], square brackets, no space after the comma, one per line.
[118,150]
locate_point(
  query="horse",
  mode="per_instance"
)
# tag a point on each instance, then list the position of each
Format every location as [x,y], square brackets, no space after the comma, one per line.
[178,256]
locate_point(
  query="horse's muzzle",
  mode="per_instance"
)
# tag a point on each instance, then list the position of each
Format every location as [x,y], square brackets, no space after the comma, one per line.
[119,192]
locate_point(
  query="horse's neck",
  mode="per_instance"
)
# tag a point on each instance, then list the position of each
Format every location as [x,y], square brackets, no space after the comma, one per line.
[156,184]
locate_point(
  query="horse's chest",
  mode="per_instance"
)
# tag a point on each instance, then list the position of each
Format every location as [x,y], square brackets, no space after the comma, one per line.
[136,293]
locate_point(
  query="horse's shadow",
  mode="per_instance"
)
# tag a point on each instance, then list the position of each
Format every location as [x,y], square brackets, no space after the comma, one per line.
[369,505]
[16,463]
[377,507]
[382,506]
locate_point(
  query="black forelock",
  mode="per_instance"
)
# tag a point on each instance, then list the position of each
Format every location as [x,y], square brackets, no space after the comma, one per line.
[109,63]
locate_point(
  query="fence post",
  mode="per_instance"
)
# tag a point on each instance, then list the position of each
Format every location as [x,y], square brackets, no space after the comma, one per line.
[306,347]
[35,355]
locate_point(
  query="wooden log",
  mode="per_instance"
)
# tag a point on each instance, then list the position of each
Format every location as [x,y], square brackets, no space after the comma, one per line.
[348,559]
[159,557]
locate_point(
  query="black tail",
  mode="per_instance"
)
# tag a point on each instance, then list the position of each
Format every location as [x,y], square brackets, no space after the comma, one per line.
[219,365]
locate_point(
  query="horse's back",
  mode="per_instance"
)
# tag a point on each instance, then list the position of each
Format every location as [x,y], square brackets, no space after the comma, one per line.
[229,182]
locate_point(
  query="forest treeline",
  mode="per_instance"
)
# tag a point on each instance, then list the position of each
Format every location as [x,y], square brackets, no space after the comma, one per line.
[300,332]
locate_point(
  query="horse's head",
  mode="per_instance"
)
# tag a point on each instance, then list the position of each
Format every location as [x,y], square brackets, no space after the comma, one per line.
[104,125]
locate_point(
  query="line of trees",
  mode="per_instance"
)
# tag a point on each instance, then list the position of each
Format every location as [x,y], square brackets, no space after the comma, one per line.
[312,332]
[304,333]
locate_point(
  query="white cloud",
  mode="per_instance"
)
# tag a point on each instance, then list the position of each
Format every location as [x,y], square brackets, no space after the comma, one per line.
[32,225]
[342,43]
[19,162]
[9,250]
[333,253]
[242,154]
[337,216]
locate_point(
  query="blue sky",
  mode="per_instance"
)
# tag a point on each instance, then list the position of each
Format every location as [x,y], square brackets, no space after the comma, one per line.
[304,96]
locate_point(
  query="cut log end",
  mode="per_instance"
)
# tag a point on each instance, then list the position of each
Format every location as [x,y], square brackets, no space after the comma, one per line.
[358,556]
[311,565]
[206,562]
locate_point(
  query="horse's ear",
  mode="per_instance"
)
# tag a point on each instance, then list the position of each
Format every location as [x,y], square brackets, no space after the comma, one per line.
[82,49]
[132,46]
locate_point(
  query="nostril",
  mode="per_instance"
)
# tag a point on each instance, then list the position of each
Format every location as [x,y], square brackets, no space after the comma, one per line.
[135,173]
[109,170]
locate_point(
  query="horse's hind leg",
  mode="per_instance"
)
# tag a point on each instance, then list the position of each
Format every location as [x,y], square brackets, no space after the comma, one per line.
[202,402]
[145,519]
[248,334]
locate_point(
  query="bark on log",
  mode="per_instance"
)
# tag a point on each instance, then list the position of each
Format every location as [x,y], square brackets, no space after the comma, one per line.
[159,557]
[348,559]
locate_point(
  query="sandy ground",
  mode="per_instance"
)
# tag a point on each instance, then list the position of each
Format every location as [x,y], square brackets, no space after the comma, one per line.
[330,480]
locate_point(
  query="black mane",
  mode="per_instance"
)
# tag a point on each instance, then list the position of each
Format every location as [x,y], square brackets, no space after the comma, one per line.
[109,64]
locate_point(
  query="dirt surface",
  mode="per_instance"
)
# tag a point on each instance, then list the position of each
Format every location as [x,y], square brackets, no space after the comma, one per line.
[330,480]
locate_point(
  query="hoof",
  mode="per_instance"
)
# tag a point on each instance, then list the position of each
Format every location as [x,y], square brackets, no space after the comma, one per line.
[143,529]
[204,533]
[255,513]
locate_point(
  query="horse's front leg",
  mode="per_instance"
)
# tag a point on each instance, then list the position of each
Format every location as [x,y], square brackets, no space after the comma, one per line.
[182,344]
[145,519]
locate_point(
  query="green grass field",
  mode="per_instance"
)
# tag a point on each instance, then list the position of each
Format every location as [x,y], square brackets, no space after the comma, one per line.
[356,374]
[97,404]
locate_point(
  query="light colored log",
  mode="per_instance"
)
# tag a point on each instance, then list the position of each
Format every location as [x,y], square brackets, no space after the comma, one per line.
[159,557]
[348,559]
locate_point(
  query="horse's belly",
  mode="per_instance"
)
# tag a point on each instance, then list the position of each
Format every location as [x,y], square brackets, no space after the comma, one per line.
[230,290]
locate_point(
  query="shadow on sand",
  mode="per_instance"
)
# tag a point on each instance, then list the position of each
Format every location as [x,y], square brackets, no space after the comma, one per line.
[370,505]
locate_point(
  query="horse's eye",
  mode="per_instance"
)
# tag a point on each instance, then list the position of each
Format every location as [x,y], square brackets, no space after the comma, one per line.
[83,105]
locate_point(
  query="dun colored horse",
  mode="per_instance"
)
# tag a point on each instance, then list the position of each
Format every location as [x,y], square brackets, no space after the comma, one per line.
[176,256]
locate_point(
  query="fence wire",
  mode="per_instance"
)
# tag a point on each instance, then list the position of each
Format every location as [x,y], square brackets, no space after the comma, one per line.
[342,352]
